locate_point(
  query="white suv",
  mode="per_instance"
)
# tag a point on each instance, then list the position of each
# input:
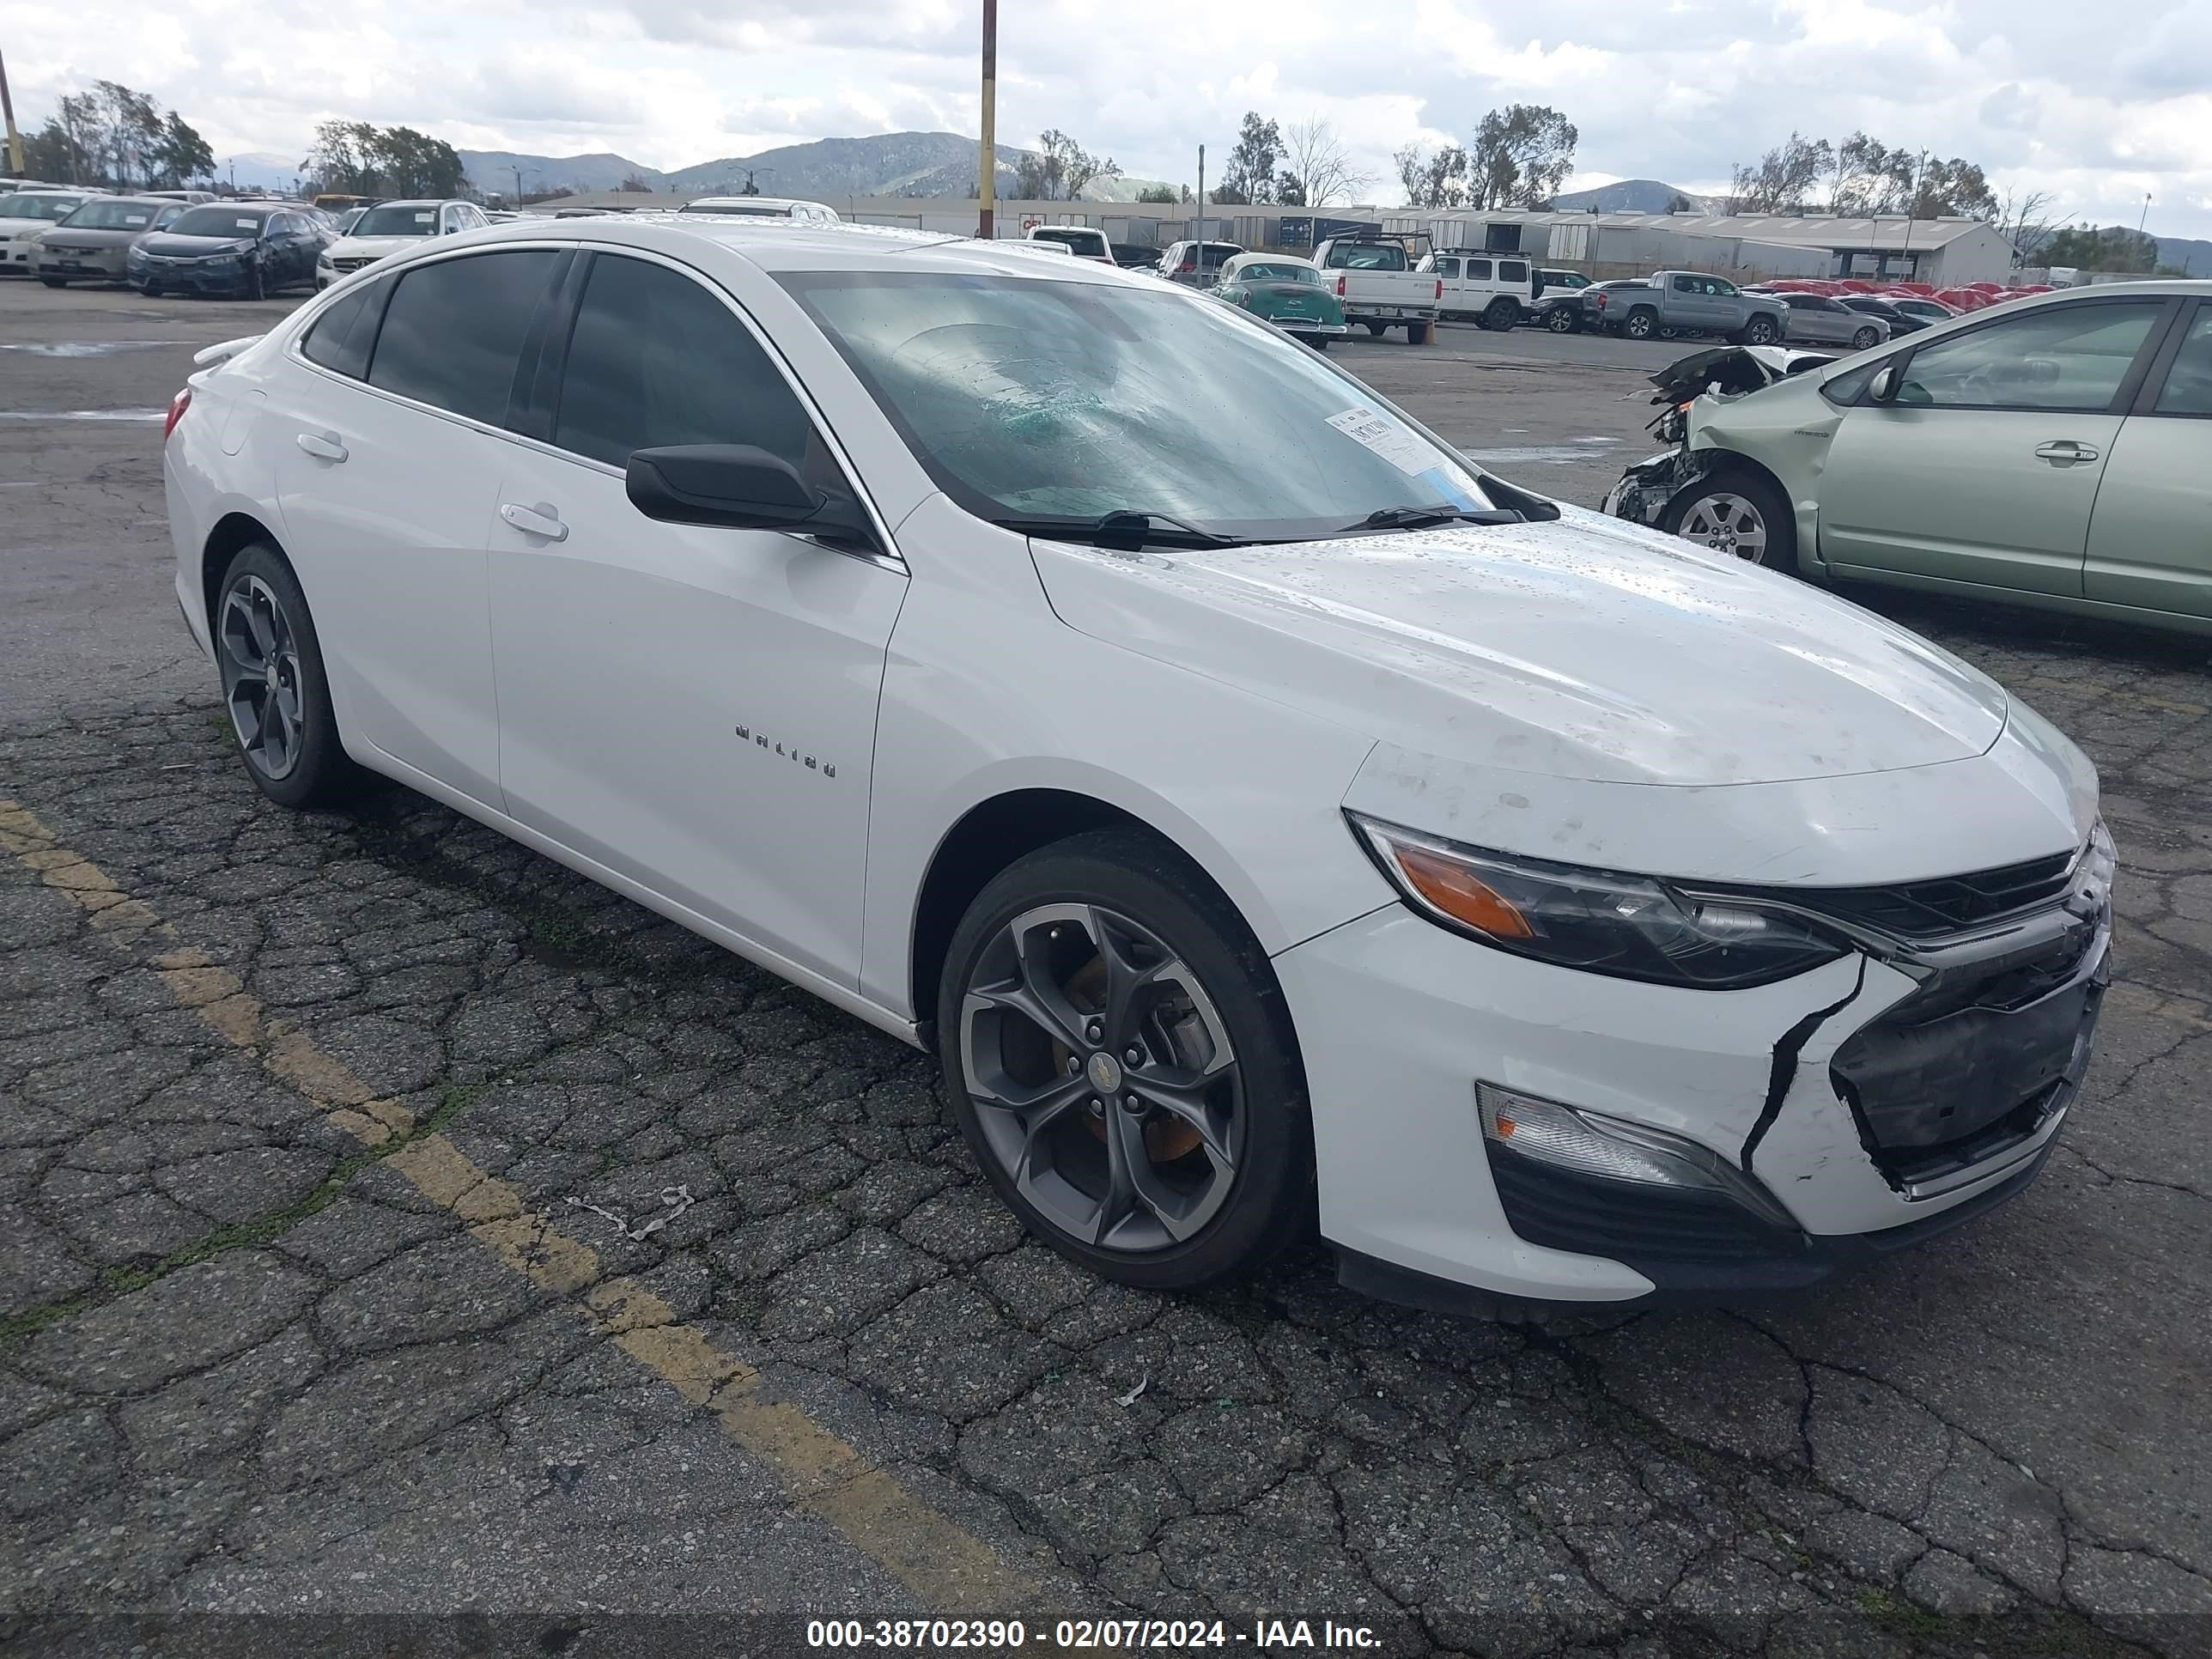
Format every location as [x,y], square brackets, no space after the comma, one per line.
[393,227]
[1265,814]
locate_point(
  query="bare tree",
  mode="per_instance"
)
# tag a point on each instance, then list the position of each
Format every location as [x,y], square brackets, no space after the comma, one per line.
[1316,159]
[2024,218]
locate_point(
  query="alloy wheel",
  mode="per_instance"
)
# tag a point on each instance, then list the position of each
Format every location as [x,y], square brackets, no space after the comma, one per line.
[1727,524]
[260,660]
[1103,1078]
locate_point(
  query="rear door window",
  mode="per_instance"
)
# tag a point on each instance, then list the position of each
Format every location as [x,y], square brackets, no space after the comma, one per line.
[453,330]
[656,359]
[2188,388]
[1477,270]
[341,338]
[1512,270]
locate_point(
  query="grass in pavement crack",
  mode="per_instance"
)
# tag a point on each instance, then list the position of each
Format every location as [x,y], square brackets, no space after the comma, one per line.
[115,1282]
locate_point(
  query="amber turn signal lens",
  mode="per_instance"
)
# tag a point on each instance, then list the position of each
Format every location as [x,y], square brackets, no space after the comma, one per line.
[1460,895]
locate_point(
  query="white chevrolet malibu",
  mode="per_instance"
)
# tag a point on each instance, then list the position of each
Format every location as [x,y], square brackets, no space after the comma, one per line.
[1269,817]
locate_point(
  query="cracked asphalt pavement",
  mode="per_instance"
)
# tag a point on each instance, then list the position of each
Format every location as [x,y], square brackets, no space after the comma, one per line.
[304,1314]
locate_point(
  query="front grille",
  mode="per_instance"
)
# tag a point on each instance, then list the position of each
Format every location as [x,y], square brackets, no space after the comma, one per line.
[351,263]
[1948,904]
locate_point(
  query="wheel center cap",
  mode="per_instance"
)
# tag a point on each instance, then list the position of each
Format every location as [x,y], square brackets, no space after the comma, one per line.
[270,674]
[1105,1072]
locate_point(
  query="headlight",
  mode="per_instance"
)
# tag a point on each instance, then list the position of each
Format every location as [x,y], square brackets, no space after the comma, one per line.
[1598,921]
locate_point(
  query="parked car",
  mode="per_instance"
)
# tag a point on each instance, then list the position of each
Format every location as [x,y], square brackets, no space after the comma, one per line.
[1493,292]
[1876,305]
[2055,452]
[763,207]
[1286,291]
[1084,241]
[244,249]
[1450,911]
[1932,310]
[91,245]
[1557,306]
[1196,264]
[1684,302]
[190,197]
[1816,319]
[1375,280]
[26,214]
[390,227]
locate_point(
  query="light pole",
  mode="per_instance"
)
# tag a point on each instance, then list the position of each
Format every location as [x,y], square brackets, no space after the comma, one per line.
[1201,210]
[987,158]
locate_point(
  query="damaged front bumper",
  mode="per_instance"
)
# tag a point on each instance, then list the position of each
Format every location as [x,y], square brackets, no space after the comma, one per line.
[1853,1110]
[1648,485]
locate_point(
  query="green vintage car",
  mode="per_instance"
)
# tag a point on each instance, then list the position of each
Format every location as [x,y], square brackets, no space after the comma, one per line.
[1286,291]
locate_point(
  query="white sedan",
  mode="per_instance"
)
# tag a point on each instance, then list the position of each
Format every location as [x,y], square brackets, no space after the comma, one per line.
[393,227]
[1269,818]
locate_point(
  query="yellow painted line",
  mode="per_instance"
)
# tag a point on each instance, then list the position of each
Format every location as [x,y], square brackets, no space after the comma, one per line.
[948,1568]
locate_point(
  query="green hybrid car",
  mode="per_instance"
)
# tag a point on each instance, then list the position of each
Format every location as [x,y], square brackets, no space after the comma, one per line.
[1288,292]
[2054,452]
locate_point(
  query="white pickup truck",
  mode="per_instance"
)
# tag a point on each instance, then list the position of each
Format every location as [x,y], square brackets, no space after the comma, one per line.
[1376,282]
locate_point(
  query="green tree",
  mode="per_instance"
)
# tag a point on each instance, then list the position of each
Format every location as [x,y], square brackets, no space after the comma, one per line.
[1290,189]
[2084,248]
[1157,193]
[1249,175]
[180,153]
[1058,170]
[1783,180]
[636,181]
[1521,157]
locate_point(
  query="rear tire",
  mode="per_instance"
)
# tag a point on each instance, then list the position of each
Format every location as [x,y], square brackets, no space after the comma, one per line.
[1866,339]
[1736,511]
[1375,330]
[274,688]
[1501,315]
[1207,1022]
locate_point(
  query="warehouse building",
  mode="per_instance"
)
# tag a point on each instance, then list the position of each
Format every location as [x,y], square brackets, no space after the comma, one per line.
[1943,252]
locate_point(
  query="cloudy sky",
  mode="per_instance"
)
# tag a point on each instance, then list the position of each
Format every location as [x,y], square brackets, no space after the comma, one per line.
[2046,95]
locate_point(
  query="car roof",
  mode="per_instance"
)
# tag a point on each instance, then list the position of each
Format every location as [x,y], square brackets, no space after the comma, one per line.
[1258,257]
[698,202]
[413,202]
[777,244]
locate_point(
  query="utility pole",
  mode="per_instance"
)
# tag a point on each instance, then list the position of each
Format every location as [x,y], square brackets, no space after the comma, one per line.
[1201,210]
[1912,202]
[14,139]
[987,160]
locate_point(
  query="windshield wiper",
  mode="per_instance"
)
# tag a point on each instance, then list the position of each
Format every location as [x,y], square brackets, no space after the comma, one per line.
[1420,518]
[1123,527]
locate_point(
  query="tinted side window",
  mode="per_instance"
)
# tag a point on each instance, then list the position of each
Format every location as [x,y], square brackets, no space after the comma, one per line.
[341,337]
[1512,270]
[453,331]
[1477,270]
[656,359]
[2070,357]
[2188,388]
[1447,267]
[1686,285]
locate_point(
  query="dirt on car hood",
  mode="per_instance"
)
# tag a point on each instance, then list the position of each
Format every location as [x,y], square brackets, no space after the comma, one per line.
[1581,648]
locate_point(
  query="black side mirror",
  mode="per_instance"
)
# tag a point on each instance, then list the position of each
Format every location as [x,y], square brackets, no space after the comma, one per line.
[739,486]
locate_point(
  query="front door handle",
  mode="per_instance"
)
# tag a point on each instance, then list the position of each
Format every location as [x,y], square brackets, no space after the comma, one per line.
[2064,451]
[539,521]
[323,445]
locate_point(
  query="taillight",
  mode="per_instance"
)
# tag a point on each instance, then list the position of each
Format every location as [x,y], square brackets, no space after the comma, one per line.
[1339,285]
[178,406]
[1600,298]
[1440,287]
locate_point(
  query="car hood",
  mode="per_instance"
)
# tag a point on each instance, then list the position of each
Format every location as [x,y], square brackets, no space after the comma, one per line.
[171,246]
[1582,648]
[63,236]
[371,247]
[15,228]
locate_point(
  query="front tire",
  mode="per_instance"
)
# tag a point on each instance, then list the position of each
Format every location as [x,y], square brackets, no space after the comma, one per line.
[274,684]
[1760,331]
[1640,325]
[257,283]
[1738,512]
[1559,321]
[1122,1064]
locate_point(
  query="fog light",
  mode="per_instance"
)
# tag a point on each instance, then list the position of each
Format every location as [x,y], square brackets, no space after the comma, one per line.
[1616,1149]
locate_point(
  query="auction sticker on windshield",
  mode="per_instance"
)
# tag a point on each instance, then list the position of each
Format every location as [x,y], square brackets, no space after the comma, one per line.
[1394,443]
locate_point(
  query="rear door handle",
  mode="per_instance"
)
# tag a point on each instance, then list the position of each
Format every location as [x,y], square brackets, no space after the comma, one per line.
[323,445]
[539,521]
[2063,451]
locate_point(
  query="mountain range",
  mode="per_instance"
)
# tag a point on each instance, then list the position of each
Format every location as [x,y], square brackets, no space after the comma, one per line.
[1627,196]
